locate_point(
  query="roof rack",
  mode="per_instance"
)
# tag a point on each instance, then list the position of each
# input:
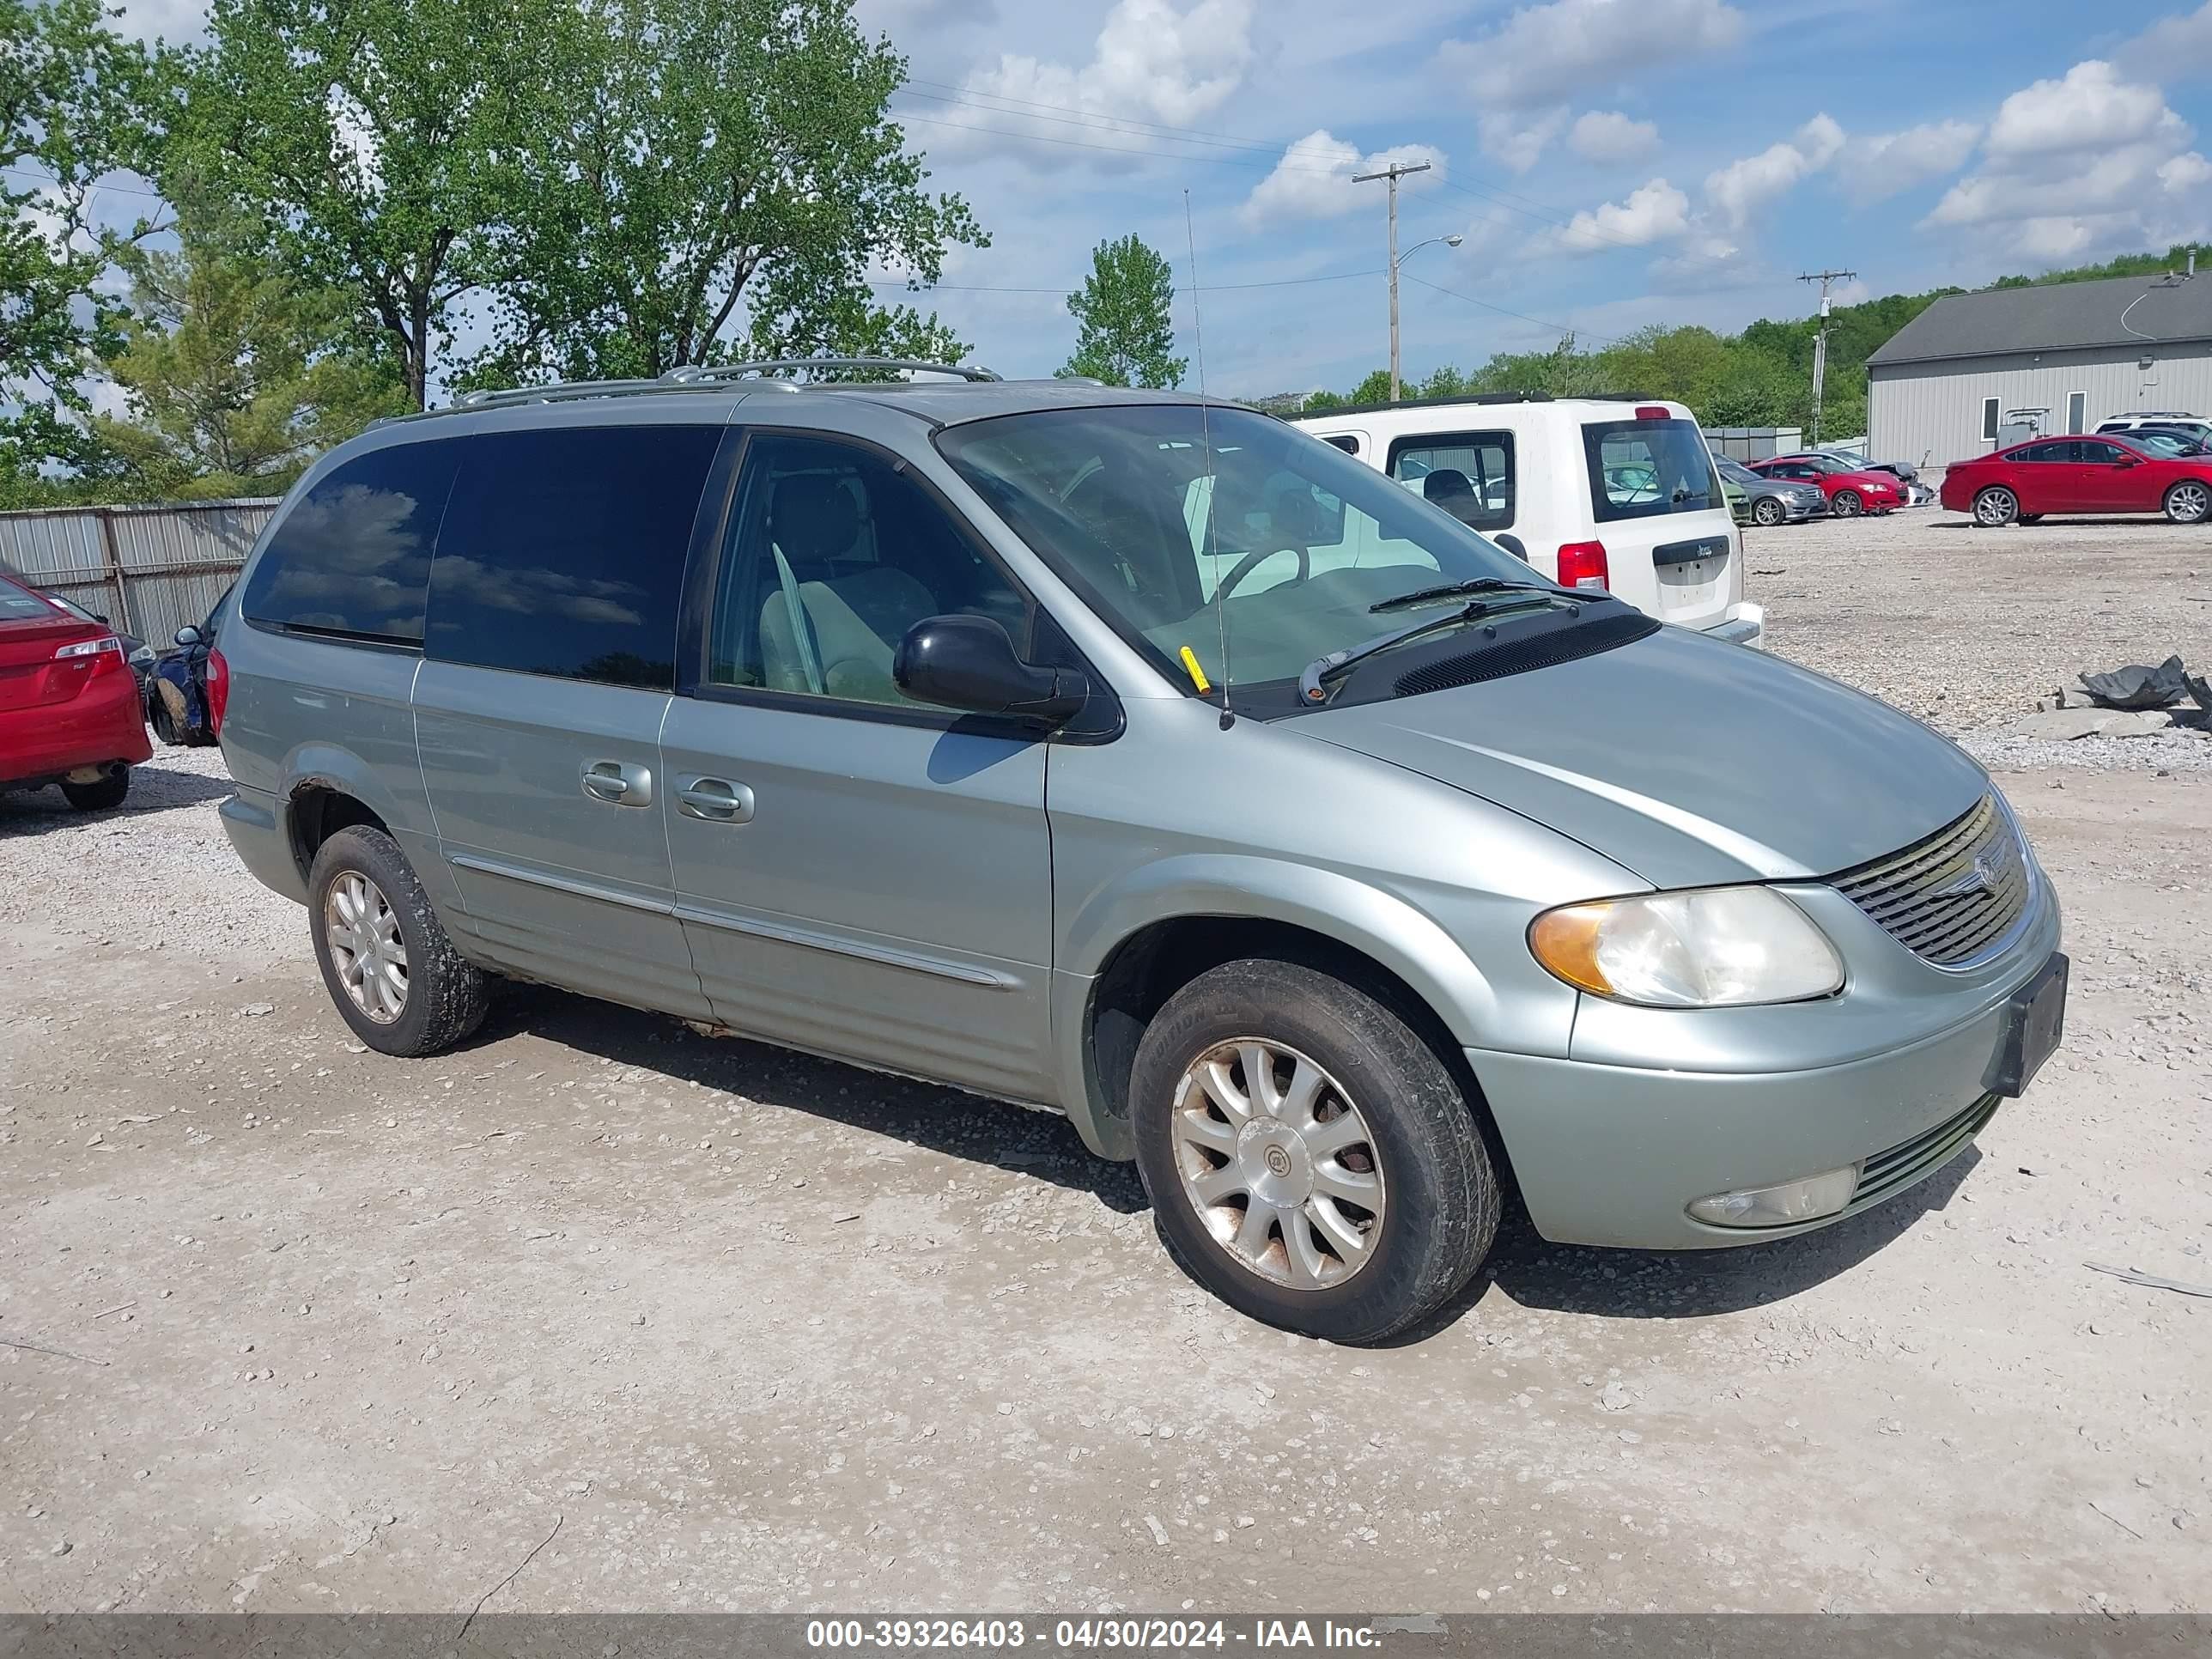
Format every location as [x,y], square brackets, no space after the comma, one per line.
[690,373]
[559,391]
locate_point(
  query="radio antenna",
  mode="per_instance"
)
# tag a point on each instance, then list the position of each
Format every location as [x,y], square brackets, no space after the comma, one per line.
[1213,473]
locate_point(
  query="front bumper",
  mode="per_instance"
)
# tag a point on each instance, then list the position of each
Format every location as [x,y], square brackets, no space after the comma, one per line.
[1615,1154]
[1745,624]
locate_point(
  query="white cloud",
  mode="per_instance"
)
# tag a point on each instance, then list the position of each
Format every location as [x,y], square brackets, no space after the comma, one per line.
[1314,179]
[1608,136]
[1553,51]
[2172,49]
[2088,163]
[1892,163]
[1654,212]
[1738,191]
[2091,108]
[2184,172]
[1151,63]
[1518,141]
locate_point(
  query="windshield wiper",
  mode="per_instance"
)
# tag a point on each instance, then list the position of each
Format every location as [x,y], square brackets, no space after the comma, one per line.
[1321,671]
[1461,590]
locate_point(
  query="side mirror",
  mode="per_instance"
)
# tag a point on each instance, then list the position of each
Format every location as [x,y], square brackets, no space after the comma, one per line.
[2127,460]
[968,662]
[188,634]
[1512,545]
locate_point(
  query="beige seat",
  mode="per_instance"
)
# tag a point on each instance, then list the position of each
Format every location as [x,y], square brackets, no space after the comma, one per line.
[832,625]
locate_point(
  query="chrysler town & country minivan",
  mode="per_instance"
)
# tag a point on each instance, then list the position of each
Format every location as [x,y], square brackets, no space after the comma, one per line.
[1144,759]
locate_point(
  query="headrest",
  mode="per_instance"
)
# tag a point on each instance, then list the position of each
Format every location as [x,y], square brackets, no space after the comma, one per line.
[814,517]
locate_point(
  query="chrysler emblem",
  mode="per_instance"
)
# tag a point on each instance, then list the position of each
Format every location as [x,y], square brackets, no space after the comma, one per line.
[1981,877]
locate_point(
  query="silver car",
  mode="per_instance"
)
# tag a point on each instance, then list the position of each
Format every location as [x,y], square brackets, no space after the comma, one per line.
[1771,502]
[1145,759]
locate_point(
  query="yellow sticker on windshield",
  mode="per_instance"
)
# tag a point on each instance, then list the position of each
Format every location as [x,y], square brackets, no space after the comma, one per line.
[1197,674]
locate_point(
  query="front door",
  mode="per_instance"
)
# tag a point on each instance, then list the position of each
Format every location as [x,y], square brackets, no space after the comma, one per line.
[549,664]
[858,874]
[2113,479]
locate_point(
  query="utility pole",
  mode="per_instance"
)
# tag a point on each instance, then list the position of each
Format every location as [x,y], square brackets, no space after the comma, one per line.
[1820,339]
[1394,172]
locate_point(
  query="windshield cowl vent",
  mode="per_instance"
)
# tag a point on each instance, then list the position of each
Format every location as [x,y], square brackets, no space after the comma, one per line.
[1585,639]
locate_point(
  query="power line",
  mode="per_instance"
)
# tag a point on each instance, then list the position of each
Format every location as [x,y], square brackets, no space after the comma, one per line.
[1070,287]
[1522,316]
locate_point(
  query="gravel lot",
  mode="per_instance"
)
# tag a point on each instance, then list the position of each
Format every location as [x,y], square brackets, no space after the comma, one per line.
[754,1331]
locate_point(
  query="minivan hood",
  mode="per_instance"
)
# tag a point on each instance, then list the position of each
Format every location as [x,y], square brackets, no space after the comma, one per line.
[1686,760]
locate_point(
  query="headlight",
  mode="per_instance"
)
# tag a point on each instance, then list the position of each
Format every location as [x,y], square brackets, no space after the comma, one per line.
[1716,947]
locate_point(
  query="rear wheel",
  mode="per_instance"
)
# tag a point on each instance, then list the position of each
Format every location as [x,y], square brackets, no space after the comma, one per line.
[104,796]
[1309,1159]
[1996,505]
[1768,511]
[2188,502]
[385,957]
[1847,504]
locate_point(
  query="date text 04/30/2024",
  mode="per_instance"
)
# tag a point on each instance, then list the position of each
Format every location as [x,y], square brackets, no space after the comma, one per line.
[1079,1635]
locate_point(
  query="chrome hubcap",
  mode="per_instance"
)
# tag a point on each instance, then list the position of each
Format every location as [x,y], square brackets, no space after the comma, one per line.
[1278,1164]
[362,932]
[1994,507]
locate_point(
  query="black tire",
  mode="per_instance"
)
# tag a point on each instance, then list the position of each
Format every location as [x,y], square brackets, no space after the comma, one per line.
[2187,502]
[445,994]
[1442,1198]
[1768,511]
[1994,507]
[165,729]
[1847,504]
[102,797]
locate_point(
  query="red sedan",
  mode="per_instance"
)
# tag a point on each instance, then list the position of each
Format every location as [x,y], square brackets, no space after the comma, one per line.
[2079,475]
[1850,492]
[70,712]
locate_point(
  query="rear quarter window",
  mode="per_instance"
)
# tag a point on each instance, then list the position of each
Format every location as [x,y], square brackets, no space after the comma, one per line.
[1468,474]
[1644,469]
[352,557]
[564,552]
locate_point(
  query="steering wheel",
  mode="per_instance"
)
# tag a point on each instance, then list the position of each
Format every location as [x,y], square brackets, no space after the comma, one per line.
[1258,556]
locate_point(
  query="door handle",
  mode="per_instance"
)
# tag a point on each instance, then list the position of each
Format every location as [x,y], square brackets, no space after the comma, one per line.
[619,784]
[716,800]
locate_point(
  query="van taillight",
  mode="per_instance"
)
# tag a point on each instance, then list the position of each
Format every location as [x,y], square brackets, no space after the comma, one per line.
[1582,564]
[218,689]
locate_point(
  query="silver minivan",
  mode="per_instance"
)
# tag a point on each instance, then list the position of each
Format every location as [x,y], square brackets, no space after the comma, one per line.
[1146,759]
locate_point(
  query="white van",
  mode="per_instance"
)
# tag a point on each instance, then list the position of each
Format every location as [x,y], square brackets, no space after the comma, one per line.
[1609,493]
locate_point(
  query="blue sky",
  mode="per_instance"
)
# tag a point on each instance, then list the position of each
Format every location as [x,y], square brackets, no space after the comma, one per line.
[1610,163]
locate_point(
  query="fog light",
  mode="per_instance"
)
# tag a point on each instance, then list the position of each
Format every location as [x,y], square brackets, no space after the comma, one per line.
[1780,1206]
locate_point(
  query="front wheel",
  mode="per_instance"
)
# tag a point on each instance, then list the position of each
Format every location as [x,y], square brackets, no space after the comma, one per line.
[1768,511]
[385,957]
[2188,502]
[1994,507]
[1847,504]
[1309,1157]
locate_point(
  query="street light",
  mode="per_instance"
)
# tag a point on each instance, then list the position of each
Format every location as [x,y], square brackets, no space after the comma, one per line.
[1396,259]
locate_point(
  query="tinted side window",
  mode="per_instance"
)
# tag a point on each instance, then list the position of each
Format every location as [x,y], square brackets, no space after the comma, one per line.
[1468,474]
[1346,443]
[2055,451]
[564,552]
[353,556]
[2097,454]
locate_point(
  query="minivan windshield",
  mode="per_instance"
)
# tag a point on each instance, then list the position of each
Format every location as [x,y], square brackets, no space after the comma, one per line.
[1146,510]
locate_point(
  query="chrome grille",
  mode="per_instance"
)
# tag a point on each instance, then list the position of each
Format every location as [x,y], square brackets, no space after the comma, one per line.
[1952,896]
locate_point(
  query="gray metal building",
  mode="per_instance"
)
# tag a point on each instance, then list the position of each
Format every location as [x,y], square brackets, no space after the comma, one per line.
[1939,388]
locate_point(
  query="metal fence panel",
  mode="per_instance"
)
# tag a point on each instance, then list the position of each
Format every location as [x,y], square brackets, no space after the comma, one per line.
[148,570]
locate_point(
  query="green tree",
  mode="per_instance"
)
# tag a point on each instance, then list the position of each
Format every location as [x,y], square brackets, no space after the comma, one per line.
[234,375]
[380,141]
[76,102]
[731,175]
[1125,331]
